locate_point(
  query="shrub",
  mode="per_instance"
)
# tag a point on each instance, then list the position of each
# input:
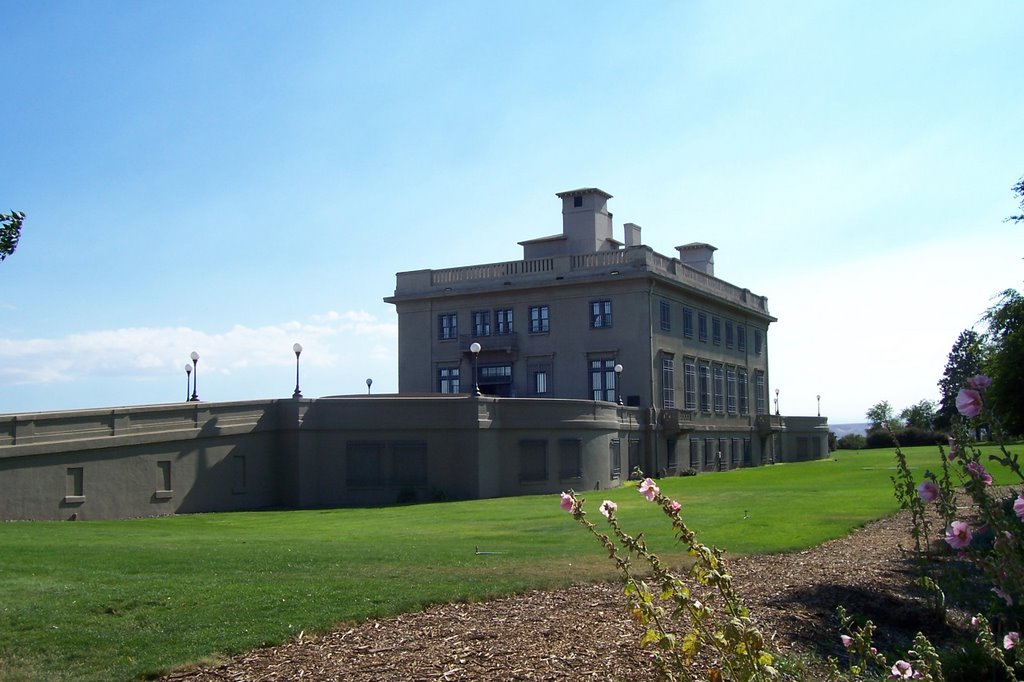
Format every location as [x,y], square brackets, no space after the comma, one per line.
[852,441]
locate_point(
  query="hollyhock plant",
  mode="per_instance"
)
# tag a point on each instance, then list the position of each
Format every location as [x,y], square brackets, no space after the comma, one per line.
[1018,506]
[674,507]
[979,382]
[954,449]
[607,507]
[1010,640]
[968,402]
[847,640]
[958,534]
[566,502]
[903,671]
[978,471]
[928,491]
[649,489]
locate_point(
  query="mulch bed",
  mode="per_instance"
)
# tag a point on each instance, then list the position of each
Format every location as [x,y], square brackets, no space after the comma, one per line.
[584,633]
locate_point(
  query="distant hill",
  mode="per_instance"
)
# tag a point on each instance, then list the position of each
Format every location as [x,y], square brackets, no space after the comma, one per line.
[844,429]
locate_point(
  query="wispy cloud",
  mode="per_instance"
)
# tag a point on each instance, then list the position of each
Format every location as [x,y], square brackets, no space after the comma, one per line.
[140,352]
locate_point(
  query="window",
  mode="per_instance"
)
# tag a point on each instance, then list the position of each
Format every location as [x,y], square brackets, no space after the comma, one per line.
[758,342]
[447,326]
[702,327]
[538,372]
[163,475]
[495,380]
[75,484]
[737,450]
[709,453]
[728,333]
[540,382]
[730,390]
[723,451]
[482,323]
[759,393]
[615,457]
[503,321]
[716,331]
[741,376]
[362,463]
[705,388]
[409,463]
[694,453]
[602,380]
[670,456]
[570,458]
[448,380]
[577,202]
[666,317]
[539,319]
[719,389]
[741,337]
[687,323]
[668,389]
[600,314]
[746,451]
[240,479]
[689,384]
[533,460]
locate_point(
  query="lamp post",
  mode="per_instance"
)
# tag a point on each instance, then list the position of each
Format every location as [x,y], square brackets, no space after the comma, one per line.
[195,376]
[776,402]
[474,348]
[298,351]
[188,378]
[369,382]
[819,405]
[618,376]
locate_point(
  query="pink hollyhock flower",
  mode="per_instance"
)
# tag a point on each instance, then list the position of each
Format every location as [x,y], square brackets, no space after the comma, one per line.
[566,502]
[903,671]
[1018,506]
[1010,640]
[968,402]
[649,489]
[954,449]
[958,534]
[928,491]
[1004,596]
[607,507]
[847,640]
[674,507]
[979,382]
[978,471]
[975,623]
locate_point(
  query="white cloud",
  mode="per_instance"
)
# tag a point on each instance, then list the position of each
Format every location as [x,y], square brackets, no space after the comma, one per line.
[144,352]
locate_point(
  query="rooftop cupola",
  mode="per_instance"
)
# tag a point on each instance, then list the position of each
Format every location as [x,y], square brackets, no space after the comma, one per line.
[586,222]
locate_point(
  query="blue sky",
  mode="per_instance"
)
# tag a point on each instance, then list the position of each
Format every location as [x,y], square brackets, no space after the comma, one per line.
[234,177]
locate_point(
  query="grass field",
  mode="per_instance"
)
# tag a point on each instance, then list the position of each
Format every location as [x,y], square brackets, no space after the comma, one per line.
[118,600]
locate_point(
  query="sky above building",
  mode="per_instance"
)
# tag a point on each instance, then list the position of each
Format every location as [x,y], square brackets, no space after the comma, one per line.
[235,177]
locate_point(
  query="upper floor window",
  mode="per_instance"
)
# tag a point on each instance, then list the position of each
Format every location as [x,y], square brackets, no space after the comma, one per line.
[540,382]
[702,327]
[687,323]
[602,379]
[705,388]
[690,384]
[759,403]
[447,326]
[741,337]
[482,323]
[539,319]
[758,341]
[716,331]
[668,388]
[719,389]
[730,390]
[741,376]
[600,314]
[728,334]
[503,321]
[666,316]
[448,379]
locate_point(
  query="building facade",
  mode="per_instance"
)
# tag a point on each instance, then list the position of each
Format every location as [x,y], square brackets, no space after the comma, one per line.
[585,316]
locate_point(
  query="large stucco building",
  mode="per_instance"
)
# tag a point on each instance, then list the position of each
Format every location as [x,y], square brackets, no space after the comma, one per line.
[596,356]
[586,316]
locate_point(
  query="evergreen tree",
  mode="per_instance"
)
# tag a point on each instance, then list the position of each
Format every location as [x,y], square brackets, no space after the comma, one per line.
[1004,360]
[965,360]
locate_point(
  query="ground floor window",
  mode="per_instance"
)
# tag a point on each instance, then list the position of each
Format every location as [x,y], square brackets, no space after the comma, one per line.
[533,460]
[615,457]
[570,458]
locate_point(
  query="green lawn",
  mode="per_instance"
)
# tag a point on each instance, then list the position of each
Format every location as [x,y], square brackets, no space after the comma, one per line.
[110,600]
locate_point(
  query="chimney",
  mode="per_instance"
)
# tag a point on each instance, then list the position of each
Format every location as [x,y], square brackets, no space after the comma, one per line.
[698,256]
[632,236]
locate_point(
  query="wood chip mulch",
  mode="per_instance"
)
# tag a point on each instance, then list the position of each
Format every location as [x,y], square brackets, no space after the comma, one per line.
[583,633]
